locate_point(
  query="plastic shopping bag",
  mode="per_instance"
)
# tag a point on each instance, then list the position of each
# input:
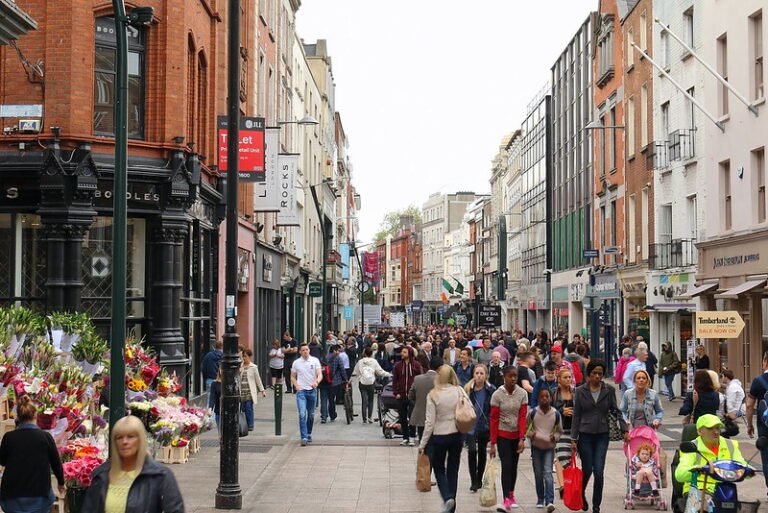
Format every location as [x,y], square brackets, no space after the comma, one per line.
[487,493]
[572,491]
[423,474]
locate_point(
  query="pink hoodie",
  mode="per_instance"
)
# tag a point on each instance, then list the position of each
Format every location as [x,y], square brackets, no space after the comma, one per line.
[621,366]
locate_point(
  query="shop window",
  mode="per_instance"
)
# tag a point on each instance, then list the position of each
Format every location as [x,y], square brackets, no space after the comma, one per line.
[6,256]
[97,270]
[22,261]
[105,74]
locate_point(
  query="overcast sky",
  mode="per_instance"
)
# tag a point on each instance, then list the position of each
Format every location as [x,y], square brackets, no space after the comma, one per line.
[426,89]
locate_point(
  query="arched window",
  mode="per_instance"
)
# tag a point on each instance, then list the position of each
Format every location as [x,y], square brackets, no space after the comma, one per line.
[105,72]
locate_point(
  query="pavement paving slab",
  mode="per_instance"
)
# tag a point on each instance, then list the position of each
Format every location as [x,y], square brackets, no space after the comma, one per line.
[352,468]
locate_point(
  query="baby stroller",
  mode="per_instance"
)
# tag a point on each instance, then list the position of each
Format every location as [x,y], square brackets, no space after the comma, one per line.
[645,495]
[389,418]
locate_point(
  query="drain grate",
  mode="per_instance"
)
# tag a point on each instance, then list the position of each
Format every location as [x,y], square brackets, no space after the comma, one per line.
[244,447]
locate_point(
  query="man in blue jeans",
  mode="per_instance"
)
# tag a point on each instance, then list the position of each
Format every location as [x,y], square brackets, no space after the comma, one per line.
[306,374]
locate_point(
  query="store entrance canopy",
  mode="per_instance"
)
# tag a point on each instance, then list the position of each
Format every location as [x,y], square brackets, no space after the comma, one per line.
[745,287]
[698,290]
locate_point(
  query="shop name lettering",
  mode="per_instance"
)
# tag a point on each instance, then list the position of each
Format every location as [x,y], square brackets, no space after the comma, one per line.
[13,193]
[735,260]
[286,183]
[604,287]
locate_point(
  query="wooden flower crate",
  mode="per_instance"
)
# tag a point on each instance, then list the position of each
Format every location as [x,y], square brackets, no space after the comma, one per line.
[194,445]
[5,410]
[59,503]
[173,455]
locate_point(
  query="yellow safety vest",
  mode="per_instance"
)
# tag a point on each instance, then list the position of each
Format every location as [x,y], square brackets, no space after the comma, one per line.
[728,450]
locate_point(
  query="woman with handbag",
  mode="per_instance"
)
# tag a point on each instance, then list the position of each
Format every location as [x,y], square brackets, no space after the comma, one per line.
[563,402]
[594,402]
[480,392]
[440,429]
[509,407]
[640,405]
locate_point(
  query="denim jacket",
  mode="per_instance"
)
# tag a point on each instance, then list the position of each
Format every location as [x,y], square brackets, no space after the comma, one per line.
[651,406]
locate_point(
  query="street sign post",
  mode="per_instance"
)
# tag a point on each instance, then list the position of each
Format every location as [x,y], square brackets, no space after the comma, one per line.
[315,289]
[713,324]
[588,254]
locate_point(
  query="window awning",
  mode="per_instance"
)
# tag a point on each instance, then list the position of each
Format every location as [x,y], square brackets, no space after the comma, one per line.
[698,290]
[14,22]
[735,292]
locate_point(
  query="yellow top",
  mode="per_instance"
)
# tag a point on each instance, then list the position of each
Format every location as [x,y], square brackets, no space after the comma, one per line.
[117,493]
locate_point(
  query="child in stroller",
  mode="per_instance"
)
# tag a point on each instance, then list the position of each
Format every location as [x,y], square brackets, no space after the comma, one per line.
[643,481]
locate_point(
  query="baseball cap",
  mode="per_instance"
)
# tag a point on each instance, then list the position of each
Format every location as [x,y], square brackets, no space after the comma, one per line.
[557,349]
[708,421]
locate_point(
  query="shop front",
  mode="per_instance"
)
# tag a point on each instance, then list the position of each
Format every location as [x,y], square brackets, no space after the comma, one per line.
[537,307]
[606,295]
[577,322]
[56,244]
[560,313]
[734,269]
[268,264]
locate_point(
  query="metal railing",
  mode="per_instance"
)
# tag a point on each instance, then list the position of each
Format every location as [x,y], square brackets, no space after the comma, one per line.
[657,155]
[682,144]
[677,253]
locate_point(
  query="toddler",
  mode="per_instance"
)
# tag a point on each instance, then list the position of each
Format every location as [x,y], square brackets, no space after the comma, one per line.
[645,467]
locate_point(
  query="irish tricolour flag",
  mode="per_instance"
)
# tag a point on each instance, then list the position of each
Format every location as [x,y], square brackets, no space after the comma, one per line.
[447,291]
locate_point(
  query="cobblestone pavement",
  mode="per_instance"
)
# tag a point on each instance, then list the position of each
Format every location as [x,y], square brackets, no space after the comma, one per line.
[352,468]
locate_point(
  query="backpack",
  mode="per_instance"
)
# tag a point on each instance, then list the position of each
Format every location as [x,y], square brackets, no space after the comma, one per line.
[532,415]
[367,375]
[762,405]
[578,376]
[327,375]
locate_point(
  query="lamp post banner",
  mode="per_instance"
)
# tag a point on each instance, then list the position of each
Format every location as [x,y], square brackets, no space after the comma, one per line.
[267,193]
[288,164]
[251,152]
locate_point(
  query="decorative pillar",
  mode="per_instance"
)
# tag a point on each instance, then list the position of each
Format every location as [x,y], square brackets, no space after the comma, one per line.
[66,212]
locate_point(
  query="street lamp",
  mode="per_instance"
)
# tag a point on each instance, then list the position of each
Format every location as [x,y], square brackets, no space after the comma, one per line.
[139,16]
[305,121]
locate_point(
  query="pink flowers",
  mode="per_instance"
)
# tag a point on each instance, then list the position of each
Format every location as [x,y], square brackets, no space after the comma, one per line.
[78,472]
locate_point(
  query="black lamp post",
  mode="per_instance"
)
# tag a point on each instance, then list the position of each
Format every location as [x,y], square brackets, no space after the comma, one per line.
[228,493]
[139,16]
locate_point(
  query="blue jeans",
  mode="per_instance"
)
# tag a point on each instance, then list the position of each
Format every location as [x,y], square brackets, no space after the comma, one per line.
[325,400]
[763,431]
[208,382]
[29,504]
[306,401]
[542,473]
[247,407]
[446,458]
[668,379]
[593,449]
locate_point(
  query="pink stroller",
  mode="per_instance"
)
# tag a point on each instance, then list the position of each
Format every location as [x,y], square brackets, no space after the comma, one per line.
[648,494]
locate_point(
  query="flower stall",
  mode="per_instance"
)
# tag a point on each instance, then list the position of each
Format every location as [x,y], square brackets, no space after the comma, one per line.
[58,361]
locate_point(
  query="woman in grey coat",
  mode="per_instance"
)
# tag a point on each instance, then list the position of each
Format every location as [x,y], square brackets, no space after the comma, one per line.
[589,430]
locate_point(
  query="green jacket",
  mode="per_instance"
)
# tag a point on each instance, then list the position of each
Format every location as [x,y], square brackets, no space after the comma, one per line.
[670,361]
[728,450]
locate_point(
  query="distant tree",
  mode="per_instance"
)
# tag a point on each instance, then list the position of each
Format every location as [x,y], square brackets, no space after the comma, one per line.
[394,221]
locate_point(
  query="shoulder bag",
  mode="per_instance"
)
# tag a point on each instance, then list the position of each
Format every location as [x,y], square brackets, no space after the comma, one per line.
[464,413]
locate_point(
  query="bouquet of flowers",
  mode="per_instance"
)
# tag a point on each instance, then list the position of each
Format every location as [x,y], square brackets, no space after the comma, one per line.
[18,323]
[164,431]
[67,328]
[90,348]
[180,441]
[78,471]
[167,384]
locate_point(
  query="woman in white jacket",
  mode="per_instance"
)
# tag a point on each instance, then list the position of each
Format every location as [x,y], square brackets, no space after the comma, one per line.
[368,369]
[250,386]
[440,429]
[734,394]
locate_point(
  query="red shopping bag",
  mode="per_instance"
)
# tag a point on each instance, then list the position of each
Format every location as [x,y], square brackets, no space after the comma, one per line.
[572,491]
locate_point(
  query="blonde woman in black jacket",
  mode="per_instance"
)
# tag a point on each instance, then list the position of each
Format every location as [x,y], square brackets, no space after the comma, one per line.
[592,402]
[130,481]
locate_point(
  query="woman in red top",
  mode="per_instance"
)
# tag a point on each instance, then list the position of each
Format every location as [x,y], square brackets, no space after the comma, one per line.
[509,407]
[402,379]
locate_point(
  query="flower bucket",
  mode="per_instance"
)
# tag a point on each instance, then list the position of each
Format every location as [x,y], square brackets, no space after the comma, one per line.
[14,346]
[56,336]
[75,499]
[46,420]
[88,367]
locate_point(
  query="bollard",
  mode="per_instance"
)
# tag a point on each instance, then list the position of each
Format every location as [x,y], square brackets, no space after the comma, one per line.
[278,389]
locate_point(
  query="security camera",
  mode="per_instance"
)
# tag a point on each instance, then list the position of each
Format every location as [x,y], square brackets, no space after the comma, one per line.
[547,272]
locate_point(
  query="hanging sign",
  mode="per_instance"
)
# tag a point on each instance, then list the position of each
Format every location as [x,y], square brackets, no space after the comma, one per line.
[266,193]
[251,151]
[713,324]
[287,165]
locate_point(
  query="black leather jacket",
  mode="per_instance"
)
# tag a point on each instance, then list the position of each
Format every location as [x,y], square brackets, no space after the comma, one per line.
[153,491]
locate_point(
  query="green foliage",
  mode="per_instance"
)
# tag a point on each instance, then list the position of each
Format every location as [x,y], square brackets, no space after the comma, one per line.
[21,321]
[90,348]
[71,323]
[392,222]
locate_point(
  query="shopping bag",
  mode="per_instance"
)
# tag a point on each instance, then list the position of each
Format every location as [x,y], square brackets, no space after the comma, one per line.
[572,492]
[242,424]
[423,474]
[487,493]
[693,503]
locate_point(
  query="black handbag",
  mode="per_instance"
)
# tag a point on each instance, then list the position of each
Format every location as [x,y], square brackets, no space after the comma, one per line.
[242,424]
[614,428]
[730,429]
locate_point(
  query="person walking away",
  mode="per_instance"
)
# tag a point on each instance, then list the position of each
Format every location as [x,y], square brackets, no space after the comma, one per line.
[756,402]
[315,349]
[351,352]
[440,429]
[338,377]
[544,428]
[734,394]
[346,363]
[526,376]
[589,429]
[368,369]
[403,374]
[669,363]
[548,381]
[496,370]
[701,360]
[640,405]
[703,400]
[479,391]
[290,351]
[464,368]
[130,480]
[641,356]
[250,386]
[578,365]
[621,367]
[214,399]
[563,402]
[306,375]
[211,362]
[417,396]
[276,363]
[29,455]
[509,407]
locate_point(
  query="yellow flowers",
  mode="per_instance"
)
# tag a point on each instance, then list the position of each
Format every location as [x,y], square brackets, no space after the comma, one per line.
[136,385]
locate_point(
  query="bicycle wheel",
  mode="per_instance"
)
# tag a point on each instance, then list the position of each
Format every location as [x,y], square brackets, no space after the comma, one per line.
[348,404]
